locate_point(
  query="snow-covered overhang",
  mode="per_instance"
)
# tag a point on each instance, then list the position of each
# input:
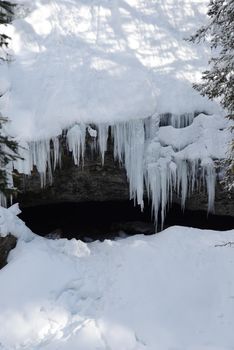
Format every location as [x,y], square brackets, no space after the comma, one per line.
[101,61]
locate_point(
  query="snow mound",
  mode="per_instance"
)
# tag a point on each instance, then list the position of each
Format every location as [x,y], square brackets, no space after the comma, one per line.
[101,61]
[173,290]
[10,223]
[71,247]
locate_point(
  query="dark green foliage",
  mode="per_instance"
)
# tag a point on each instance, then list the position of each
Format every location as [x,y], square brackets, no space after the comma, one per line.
[6,11]
[218,81]
[8,152]
[8,147]
[6,16]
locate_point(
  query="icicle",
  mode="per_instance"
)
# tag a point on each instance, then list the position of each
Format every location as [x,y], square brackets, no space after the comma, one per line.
[41,159]
[193,175]
[76,142]
[210,176]
[172,168]
[56,155]
[165,119]
[38,154]
[152,178]
[118,132]
[157,178]
[151,125]
[164,188]
[134,153]
[3,200]
[176,121]
[182,180]
[182,120]
[160,177]
[149,165]
[23,164]
[103,130]
[129,142]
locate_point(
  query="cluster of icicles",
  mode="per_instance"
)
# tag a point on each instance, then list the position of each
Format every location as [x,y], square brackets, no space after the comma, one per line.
[152,168]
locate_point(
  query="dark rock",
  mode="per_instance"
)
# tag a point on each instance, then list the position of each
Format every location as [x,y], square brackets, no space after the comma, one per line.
[6,245]
[134,227]
[95,182]
[91,181]
[223,205]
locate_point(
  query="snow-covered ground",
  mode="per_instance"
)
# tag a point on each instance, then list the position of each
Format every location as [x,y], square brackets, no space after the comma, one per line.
[169,291]
[101,61]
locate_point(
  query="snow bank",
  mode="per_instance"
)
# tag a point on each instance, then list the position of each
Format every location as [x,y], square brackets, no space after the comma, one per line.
[173,290]
[101,61]
[10,223]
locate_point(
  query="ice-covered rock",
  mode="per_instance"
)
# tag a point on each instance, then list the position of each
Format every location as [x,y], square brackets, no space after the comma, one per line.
[160,159]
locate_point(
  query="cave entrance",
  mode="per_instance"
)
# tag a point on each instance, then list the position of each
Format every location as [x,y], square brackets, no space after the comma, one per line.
[88,221]
[109,220]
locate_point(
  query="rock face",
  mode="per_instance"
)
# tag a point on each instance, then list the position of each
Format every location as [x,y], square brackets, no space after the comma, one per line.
[224,201]
[91,181]
[6,245]
[96,182]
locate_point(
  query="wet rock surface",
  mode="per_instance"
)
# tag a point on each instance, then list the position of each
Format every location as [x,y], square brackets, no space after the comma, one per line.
[223,205]
[6,245]
[96,182]
[91,181]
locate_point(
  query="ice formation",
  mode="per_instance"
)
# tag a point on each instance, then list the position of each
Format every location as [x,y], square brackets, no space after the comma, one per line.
[44,155]
[159,160]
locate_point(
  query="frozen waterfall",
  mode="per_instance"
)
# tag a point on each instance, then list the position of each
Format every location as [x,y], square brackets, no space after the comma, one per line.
[159,160]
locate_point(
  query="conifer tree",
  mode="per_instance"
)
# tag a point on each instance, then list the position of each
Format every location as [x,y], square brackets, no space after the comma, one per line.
[218,80]
[6,15]
[8,147]
[8,152]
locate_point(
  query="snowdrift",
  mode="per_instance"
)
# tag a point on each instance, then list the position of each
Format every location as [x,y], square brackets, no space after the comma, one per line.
[173,290]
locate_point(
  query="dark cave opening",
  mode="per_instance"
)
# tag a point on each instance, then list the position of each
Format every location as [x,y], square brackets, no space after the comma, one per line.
[109,220]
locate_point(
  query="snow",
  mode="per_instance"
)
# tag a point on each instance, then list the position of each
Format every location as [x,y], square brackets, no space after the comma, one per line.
[172,290]
[122,65]
[10,223]
[101,61]
[81,66]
